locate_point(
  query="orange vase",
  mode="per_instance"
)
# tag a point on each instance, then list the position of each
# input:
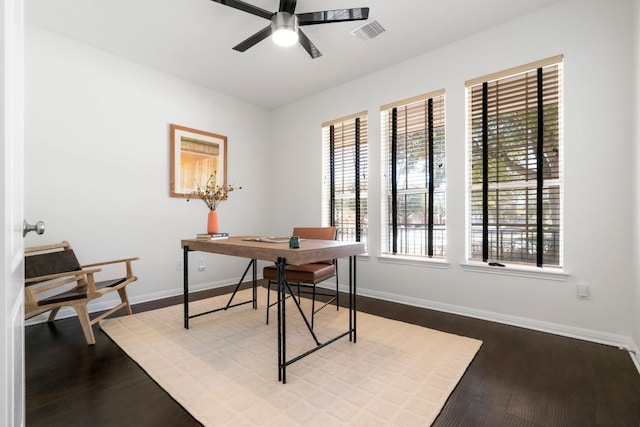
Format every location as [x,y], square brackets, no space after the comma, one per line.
[212,223]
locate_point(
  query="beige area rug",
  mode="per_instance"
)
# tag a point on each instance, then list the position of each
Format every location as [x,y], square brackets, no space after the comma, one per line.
[223,370]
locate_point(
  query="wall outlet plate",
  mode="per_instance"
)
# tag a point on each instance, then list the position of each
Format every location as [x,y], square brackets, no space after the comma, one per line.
[582,290]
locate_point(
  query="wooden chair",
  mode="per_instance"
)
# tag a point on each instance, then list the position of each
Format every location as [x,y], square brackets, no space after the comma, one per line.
[54,278]
[307,276]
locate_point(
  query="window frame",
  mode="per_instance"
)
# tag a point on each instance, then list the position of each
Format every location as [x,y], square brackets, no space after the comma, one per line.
[332,193]
[391,244]
[538,185]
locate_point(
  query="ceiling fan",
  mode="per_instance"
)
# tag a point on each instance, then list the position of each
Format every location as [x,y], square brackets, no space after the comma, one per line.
[285,23]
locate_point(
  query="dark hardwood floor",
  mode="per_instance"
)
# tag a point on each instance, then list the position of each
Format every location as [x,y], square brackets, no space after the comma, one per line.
[518,378]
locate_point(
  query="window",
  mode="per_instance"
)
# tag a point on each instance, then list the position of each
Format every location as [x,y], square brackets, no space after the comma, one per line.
[515,161]
[344,183]
[413,150]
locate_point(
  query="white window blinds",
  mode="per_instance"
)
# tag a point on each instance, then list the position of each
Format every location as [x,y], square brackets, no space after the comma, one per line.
[414,182]
[345,171]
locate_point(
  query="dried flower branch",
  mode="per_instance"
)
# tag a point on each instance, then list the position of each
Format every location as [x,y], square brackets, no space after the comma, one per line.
[212,193]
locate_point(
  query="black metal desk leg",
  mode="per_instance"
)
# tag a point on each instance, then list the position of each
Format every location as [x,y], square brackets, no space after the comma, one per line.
[352,300]
[282,332]
[255,284]
[279,305]
[355,311]
[185,267]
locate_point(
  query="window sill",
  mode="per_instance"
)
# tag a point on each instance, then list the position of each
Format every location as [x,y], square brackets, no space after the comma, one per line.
[419,261]
[510,270]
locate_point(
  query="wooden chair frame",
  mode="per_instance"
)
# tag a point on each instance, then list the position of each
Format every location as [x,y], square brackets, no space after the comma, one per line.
[86,289]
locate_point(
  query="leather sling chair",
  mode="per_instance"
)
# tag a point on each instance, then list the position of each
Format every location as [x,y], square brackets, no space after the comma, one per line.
[307,276]
[54,279]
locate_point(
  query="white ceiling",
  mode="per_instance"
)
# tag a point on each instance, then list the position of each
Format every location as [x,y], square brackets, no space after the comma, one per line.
[193,39]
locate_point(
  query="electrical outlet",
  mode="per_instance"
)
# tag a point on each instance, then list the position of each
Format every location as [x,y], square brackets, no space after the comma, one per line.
[201,264]
[179,265]
[582,290]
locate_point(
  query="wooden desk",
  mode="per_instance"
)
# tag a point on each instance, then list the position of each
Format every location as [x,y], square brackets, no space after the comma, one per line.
[310,251]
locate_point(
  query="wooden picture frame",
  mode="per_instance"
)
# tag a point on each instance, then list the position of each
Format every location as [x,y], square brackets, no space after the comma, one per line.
[195,156]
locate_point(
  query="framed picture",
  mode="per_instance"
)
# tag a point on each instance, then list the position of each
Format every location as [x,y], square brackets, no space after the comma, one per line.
[195,156]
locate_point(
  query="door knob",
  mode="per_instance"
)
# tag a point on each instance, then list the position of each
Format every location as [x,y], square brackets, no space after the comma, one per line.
[38,227]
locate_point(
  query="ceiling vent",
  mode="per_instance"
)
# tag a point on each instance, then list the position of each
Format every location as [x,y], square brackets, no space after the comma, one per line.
[368,31]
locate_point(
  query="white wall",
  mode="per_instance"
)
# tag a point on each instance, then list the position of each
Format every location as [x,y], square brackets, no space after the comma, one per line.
[97,162]
[595,38]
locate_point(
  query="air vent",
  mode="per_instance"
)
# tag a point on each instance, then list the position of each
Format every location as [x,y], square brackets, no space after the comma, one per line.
[368,31]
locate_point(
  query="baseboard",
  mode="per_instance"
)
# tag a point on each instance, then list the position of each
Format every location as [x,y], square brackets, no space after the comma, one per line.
[109,301]
[621,341]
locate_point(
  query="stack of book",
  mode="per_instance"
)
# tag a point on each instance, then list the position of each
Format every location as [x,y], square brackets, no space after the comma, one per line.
[212,236]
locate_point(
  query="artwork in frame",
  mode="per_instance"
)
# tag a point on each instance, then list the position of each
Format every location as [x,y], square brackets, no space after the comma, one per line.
[195,156]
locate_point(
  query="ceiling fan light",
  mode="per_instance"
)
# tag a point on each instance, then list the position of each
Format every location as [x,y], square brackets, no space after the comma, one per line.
[285,37]
[284,29]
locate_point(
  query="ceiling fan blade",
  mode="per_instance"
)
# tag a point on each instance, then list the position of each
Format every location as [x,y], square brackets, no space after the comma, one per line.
[287,6]
[253,40]
[246,7]
[329,16]
[307,45]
